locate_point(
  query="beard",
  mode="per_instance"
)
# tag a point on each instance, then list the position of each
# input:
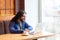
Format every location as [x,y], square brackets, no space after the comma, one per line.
[22,20]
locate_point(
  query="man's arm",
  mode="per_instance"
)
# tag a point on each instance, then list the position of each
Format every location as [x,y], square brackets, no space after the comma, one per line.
[13,27]
[28,26]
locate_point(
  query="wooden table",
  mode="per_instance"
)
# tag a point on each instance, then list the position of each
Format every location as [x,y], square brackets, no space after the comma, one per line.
[20,37]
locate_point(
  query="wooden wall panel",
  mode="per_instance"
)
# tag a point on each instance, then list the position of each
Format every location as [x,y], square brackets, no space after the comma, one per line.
[7,7]
[2,5]
[12,4]
[2,12]
[7,12]
[12,11]
[8,3]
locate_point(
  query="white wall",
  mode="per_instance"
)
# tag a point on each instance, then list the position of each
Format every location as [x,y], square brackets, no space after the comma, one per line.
[31,7]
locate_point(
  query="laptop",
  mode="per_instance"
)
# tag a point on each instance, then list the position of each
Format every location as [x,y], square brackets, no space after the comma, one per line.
[38,29]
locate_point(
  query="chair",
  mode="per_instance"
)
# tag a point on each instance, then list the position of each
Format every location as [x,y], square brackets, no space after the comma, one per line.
[6,23]
[2,27]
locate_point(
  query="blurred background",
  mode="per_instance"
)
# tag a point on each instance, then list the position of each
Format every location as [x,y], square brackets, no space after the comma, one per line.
[46,13]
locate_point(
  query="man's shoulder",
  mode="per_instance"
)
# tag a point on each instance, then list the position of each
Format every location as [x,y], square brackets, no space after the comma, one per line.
[12,22]
[24,22]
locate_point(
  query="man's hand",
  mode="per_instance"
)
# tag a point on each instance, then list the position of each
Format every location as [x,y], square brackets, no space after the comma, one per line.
[26,30]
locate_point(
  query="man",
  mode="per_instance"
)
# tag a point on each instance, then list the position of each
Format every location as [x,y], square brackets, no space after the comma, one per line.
[18,24]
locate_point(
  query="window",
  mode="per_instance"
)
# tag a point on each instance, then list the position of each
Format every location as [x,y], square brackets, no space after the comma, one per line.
[7,7]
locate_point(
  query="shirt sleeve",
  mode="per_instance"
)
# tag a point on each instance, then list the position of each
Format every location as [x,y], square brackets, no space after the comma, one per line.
[28,26]
[13,28]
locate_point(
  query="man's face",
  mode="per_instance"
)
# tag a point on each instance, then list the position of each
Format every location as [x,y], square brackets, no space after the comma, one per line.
[23,17]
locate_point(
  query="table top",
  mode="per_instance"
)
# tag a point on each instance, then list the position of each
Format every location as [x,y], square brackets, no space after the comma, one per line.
[21,37]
